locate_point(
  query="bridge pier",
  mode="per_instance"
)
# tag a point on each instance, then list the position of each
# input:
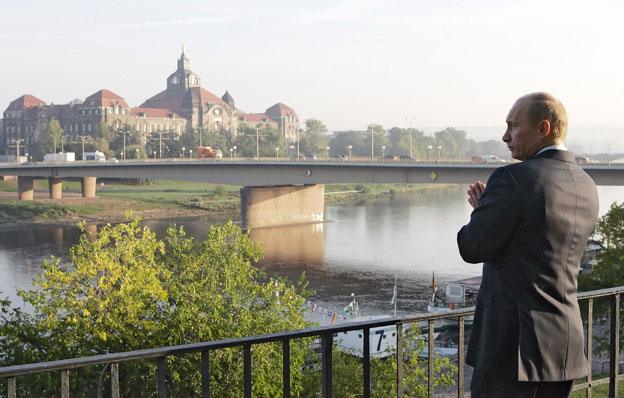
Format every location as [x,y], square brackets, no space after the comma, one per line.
[25,187]
[88,187]
[55,186]
[282,205]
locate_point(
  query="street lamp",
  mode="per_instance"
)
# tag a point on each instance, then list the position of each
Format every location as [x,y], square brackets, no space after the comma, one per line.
[276,152]
[372,142]
[349,147]
[183,151]
[190,153]
[83,138]
[383,152]
[439,148]
[154,154]
[17,148]
[231,152]
[327,152]
[234,147]
[124,132]
[136,150]
[430,147]
[292,150]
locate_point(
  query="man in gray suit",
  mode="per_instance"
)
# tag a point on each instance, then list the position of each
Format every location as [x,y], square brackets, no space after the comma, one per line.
[529,227]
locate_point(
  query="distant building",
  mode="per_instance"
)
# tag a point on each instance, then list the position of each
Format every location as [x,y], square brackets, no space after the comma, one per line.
[182,106]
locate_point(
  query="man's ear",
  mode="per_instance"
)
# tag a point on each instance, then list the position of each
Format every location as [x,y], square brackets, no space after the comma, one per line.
[545,128]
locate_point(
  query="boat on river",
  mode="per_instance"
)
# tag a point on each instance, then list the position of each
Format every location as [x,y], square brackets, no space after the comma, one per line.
[454,295]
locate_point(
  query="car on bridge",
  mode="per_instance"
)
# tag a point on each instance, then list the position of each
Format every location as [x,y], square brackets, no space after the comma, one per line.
[488,159]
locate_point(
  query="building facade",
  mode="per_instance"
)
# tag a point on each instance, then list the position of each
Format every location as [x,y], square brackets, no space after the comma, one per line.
[183,106]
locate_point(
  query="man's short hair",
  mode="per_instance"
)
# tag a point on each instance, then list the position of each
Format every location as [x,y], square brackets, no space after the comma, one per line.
[544,106]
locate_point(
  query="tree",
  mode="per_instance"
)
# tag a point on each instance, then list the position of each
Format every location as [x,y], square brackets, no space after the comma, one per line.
[49,139]
[313,140]
[125,289]
[609,271]
[348,370]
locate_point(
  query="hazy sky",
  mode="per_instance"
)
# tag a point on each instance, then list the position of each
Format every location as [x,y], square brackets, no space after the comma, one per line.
[424,63]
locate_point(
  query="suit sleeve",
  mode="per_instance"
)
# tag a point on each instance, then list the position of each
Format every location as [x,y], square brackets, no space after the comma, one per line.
[492,222]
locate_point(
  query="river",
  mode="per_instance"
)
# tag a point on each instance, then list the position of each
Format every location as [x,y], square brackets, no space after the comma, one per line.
[358,250]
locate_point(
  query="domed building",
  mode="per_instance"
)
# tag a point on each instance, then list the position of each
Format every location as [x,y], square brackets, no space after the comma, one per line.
[183,106]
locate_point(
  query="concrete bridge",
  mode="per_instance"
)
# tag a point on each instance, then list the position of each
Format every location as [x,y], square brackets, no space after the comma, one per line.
[275,192]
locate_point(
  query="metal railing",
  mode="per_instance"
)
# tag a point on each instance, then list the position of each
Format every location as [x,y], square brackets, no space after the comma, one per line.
[326,337]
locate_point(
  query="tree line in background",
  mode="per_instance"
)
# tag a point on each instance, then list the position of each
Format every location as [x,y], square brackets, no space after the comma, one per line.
[266,140]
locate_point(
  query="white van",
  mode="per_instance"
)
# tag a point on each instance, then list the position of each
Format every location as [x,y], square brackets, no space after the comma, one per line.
[97,156]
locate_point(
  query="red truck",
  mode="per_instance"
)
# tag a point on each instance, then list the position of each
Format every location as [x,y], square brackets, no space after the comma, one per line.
[208,152]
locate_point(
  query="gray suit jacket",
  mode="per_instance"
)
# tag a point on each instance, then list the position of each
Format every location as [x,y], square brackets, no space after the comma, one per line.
[530,230]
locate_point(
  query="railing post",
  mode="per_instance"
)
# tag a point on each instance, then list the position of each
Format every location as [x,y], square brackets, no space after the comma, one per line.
[286,368]
[11,387]
[431,368]
[114,380]
[399,359]
[65,383]
[205,373]
[366,362]
[614,358]
[161,363]
[327,341]
[460,359]
[247,371]
[590,348]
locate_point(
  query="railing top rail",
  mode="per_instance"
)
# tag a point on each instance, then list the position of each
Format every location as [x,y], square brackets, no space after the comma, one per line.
[16,370]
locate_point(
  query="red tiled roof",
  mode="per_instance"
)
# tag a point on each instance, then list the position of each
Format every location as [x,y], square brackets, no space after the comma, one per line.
[24,102]
[105,99]
[153,112]
[207,97]
[161,101]
[279,109]
[254,117]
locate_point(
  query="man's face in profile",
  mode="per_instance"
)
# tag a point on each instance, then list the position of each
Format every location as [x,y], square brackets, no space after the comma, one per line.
[522,137]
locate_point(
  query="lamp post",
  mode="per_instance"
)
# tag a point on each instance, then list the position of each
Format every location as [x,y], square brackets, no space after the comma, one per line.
[430,147]
[234,147]
[63,143]
[231,152]
[327,152]
[124,132]
[17,148]
[276,153]
[190,154]
[154,154]
[349,148]
[372,142]
[83,138]
[136,153]
[383,152]
[439,149]
[298,137]
[292,150]
[257,142]
[183,152]
[160,134]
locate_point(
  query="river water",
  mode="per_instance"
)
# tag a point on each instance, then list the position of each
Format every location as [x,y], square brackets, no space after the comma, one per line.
[360,249]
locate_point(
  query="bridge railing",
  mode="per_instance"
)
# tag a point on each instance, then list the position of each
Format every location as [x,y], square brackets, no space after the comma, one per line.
[326,336]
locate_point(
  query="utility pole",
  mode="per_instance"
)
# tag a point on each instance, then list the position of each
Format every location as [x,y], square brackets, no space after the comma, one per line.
[160,134]
[17,148]
[83,138]
[257,143]
[124,132]
[372,142]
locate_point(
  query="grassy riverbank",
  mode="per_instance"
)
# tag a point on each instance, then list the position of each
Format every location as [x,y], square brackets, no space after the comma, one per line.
[165,199]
